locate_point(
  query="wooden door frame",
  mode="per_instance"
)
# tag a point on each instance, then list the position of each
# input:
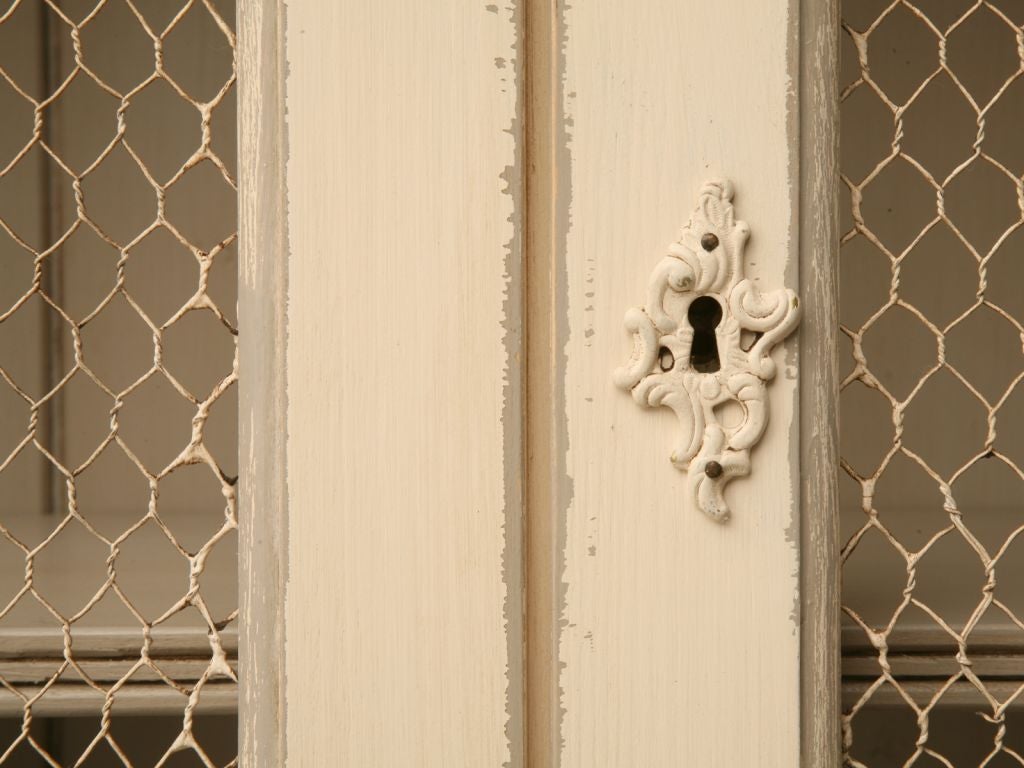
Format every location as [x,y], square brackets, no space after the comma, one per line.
[818,94]
[263,566]
[262,411]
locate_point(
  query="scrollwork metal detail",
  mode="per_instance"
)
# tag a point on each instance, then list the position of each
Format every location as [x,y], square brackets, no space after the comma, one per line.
[703,339]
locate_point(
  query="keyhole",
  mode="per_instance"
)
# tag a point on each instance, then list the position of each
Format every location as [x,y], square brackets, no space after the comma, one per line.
[704,315]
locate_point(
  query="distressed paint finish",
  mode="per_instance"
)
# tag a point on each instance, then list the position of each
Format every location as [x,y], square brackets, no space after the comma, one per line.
[819,383]
[262,401]
[680,641]
[403,613]
[404,622]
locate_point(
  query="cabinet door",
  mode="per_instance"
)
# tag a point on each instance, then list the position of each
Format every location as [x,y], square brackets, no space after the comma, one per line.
[464,544]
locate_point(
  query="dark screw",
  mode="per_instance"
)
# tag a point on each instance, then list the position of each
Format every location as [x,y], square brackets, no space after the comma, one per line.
[709,242]
[713,469]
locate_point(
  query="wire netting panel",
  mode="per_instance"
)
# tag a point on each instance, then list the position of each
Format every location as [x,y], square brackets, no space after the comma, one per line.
[118,382]
[932,405]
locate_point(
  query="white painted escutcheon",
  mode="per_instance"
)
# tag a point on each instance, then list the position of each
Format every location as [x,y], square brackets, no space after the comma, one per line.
[704,339]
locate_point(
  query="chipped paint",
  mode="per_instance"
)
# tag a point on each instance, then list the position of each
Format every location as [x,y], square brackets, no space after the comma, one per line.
[512,417]
[563,123]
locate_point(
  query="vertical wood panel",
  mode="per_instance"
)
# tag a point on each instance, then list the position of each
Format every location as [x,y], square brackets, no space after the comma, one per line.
[680,640]
[403,614]
[262,404]
[819,383]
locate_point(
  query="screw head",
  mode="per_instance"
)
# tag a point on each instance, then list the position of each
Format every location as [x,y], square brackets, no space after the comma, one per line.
[713,469]
[709,241]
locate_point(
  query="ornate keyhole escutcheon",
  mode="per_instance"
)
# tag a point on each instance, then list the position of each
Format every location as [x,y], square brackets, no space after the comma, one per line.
[703,339]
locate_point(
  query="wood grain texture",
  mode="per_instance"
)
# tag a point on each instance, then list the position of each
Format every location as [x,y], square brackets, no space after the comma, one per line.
[680,638]
[262,298]
[403,613]
[819,383]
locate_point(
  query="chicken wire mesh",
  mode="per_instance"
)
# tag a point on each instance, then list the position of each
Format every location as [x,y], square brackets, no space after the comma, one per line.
[118,364]
[932,405]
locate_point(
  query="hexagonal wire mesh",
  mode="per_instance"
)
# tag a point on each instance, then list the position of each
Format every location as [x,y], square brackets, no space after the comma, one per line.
[932,303]
[117,358]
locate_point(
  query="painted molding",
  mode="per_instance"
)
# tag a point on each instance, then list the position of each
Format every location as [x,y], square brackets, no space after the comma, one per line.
[703,340]
[263,510]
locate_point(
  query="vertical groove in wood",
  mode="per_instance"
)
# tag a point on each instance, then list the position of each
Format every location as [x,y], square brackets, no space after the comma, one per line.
[546,211]
[819,378]
[262,292]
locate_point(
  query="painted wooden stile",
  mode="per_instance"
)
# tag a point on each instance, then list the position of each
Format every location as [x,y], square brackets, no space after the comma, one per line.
[462,544]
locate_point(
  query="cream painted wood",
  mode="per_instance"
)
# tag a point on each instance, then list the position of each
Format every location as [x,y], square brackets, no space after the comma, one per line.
[680,638]
[654,636]
[403,614]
